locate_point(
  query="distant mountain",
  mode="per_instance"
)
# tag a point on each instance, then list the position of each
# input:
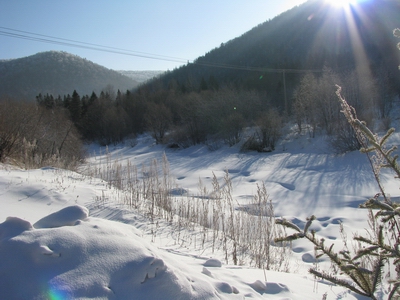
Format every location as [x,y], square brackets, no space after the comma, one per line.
[306,37]
[141,76]
[57,73]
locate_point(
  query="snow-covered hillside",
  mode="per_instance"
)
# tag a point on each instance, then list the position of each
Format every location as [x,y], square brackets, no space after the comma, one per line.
[69,236]
[141,76]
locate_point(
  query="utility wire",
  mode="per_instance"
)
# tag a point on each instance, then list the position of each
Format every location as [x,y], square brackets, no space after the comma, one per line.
[257,69]
[14,33]
[73,43]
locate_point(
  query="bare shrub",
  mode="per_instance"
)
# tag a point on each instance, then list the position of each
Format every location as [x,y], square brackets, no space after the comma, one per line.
[212,218]
[251,144]
[268,131]
[232,127]
[344,138]
[304,105]
[158,119]
[16,122]
[33,136]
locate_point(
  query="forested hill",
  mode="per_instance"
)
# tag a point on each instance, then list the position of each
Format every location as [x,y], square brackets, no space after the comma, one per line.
[307,37]
[57,73]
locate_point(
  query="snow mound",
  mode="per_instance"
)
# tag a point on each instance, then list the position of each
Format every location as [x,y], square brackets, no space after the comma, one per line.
[65,217]
[213,262]
[13,226]
[269,287]
[226,288]
[93,259]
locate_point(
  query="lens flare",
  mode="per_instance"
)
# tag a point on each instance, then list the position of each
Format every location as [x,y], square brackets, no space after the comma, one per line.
[54,294]
[341,3]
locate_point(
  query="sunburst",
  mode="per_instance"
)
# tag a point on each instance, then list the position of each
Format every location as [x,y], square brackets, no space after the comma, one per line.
[341,3]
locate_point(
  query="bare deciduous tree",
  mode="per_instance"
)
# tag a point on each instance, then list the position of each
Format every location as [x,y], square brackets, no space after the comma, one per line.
[34,135]
[158,119]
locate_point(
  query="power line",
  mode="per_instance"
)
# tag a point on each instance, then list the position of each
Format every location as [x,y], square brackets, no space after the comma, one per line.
[73,43]
[78,44]
[257,69]
[14,33]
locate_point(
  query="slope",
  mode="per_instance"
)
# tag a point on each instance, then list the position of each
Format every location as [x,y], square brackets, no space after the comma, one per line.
[57,73]
[74,253]
[305,38]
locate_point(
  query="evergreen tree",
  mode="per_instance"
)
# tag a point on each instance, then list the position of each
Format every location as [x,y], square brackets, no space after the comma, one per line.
[75,108]
[46,101]
[203,84]
[67,101]
[93,98]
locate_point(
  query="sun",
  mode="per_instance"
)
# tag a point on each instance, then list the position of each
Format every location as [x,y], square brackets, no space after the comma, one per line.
[341,3]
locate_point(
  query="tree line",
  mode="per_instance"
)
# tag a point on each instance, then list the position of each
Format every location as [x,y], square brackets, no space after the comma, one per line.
[213,113]
[172,116]
[210,113]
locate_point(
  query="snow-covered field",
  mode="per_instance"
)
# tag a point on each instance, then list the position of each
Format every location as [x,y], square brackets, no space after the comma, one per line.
[59,241]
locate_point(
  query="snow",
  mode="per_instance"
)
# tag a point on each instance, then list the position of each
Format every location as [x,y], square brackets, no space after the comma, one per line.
[68,216]
[59,241]
[94,258]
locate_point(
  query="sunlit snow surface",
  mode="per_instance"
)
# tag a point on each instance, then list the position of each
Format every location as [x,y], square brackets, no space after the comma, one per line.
[57,242]
[88,257]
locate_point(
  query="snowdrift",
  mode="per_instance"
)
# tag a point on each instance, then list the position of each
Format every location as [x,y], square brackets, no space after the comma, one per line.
[76,256]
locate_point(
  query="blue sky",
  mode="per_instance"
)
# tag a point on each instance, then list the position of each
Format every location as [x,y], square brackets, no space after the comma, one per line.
[182,29]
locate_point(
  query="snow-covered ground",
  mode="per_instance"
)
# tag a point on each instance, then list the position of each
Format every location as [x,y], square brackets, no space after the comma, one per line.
[68,236]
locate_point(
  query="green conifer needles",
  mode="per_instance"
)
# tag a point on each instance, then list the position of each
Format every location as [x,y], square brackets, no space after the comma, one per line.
[377,255]
[363,268]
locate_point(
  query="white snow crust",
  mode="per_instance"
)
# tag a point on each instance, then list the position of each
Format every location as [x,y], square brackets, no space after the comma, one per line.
[58,242]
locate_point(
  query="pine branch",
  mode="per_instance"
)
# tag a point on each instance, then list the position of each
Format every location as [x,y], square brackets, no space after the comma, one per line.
[364,281]
[395,290]
[390,151]
[345,255]
[289,238]
[287,224]
[377,274]
[366,251]
[356,124]
[376,204]
[338,281]
[386,136]
[308,224]
[364,240]
[367,150]
[331,254]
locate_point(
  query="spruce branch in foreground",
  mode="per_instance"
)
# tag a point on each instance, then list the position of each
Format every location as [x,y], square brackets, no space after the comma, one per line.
[363,281]
[379,253]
